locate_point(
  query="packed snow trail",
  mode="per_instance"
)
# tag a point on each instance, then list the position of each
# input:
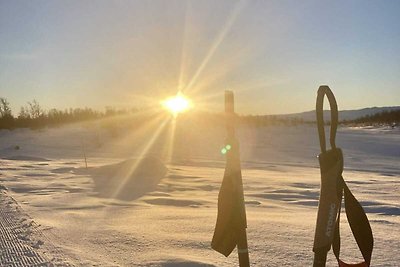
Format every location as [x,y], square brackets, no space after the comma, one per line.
[21,242]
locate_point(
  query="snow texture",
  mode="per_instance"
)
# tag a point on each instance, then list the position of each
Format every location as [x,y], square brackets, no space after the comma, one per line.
[130,208]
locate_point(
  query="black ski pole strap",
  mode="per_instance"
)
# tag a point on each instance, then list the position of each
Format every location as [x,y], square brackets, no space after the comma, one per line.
[331,165]
[322,91]
[360,228]
[333,189]
[336,234]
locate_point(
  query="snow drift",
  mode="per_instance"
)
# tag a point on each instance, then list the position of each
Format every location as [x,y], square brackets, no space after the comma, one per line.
[129,179]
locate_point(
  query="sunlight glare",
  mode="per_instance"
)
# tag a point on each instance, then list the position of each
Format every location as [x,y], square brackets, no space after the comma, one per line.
[177,104]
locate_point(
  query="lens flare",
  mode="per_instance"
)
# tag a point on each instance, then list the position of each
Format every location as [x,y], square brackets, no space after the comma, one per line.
[226,149]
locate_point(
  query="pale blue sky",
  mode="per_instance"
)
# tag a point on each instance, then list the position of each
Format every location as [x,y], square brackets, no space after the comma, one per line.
[273,54]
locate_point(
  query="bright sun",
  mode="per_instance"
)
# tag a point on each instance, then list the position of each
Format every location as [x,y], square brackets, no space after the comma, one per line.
[177,104]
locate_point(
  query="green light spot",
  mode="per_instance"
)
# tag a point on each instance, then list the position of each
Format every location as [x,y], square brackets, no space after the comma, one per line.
[223,151]
[228,147]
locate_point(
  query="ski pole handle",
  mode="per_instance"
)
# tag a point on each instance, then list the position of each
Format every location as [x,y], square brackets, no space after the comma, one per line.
[230,113]
[331,165]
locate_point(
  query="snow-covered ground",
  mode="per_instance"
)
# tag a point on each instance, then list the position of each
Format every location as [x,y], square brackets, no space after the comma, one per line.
[149,195]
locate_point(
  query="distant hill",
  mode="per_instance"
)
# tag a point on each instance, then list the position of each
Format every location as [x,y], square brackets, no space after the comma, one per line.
[309,116]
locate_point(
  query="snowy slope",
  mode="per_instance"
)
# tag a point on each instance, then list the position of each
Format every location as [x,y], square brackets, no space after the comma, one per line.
[89,215]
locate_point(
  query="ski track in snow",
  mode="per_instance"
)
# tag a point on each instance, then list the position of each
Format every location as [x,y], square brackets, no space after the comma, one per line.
[22,241]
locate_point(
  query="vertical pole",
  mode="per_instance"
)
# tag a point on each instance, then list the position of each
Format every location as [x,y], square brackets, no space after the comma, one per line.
[84,153]
[229,114]
[243,251]
[242,248]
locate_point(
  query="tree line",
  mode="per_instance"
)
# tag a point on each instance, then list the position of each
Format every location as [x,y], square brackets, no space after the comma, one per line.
[391,117]
[32,115]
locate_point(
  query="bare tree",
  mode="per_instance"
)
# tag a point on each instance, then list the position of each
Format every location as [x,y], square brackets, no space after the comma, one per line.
[5,110]
[24,113]
[35,110]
